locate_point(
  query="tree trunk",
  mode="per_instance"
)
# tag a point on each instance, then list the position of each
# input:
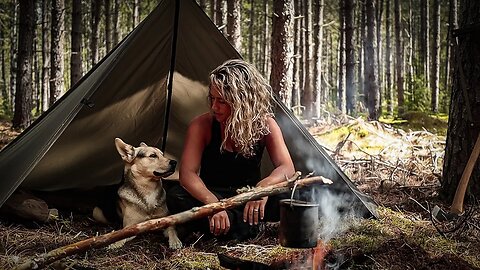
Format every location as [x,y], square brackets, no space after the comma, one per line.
[450,50]
[95,20]
[234,33]
[435,75]
[281,74]
[23,94]
[212,10]
[45,56]
[464,115]
[424,41]
[409,87]
[399,58]
[116,22]
[341,58]
[308,86]
[251,32]
[108,26]
[56,54]
[265,35]
[76,56]
[350,94]
[136,13]
[362,39]
[297,43]
[388,60]
[219,15]
[378,34]
[13,51]
[371,69]
[317,54]
[4,85]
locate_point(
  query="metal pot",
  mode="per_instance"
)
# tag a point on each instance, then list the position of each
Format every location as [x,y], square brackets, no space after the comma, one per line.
[298,224]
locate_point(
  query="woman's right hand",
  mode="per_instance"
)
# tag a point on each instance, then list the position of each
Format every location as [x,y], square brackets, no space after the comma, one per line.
[219,223]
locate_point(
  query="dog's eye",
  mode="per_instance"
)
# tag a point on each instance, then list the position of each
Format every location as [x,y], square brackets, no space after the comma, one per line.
[153,155]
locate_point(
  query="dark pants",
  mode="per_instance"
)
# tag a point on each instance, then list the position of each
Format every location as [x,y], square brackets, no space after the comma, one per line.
[179,200]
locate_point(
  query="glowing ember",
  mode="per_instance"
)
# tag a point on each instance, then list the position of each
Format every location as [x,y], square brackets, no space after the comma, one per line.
[319,253]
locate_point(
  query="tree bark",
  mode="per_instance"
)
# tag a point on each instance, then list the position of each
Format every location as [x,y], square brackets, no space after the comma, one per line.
[388,60]
[425,24]
[341,58]
[251,31]
[23,94]
[95,20]
[317,55]
[362,41]
[297,43]
[350,94]
[56,53]
[161,223]
[234,34]
[5,93]
[308,86]
[136,13]
[464,115]
[45,56]
[108,25]
[435,75]
[76,55]
[116,22]
[13,50]
[399,58]
[281,74]
[371,68]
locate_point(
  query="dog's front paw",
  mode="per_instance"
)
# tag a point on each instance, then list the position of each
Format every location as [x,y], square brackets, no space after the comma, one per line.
[174,242]
[117,244]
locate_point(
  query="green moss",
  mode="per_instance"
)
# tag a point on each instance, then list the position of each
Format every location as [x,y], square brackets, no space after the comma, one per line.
[417,120]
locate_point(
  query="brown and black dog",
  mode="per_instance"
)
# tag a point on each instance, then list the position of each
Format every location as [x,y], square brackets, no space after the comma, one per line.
[141,196]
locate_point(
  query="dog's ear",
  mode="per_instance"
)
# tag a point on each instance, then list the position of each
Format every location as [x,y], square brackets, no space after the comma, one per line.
[126,151]
[143,144]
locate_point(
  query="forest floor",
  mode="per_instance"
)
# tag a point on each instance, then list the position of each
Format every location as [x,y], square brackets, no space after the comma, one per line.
[399,168]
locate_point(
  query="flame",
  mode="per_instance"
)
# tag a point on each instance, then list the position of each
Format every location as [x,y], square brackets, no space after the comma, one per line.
[319,253]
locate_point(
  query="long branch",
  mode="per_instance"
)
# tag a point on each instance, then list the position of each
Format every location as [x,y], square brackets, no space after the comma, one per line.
[161,223]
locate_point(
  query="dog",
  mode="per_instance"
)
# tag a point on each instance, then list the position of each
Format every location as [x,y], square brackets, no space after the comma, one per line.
[141,195]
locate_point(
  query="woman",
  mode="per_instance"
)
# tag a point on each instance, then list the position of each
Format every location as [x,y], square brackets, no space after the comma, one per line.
[223,149]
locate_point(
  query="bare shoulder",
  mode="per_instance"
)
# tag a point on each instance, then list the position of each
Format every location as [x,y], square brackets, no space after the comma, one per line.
[202,121]
[200,126]
[273,125]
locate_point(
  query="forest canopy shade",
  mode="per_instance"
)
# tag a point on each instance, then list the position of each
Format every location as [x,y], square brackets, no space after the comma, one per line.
[147,89]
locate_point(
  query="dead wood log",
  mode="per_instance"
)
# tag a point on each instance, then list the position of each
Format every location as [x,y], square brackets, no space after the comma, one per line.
[161,223]
[26,206]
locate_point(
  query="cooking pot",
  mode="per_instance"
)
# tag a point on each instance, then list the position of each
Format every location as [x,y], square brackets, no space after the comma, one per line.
[298,224]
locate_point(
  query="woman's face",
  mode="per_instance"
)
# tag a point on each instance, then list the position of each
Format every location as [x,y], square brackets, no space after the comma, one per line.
[221,110]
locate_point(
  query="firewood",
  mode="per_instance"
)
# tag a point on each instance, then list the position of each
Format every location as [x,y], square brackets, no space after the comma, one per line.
[161,223]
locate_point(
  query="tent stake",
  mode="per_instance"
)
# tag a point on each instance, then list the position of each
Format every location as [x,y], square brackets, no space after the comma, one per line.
[154,224]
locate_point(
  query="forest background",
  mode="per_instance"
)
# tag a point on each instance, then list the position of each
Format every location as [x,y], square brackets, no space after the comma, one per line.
[375,58]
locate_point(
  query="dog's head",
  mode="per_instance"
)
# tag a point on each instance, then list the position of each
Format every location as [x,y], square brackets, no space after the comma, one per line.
[146,161]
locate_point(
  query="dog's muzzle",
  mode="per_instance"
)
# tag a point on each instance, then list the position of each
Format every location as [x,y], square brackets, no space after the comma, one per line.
[171,169]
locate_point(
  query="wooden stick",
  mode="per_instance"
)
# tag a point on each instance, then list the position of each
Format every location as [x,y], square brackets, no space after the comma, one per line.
[161,223]
[457,204]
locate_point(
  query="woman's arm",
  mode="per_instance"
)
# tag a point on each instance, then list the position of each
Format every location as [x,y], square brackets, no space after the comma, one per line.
[197,138]
[254,211]
[279,155]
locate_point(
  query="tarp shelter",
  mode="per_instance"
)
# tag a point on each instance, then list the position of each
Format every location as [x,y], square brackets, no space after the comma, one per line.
[147,89]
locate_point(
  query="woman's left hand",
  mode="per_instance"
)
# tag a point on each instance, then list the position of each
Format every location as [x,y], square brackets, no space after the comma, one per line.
[254,211]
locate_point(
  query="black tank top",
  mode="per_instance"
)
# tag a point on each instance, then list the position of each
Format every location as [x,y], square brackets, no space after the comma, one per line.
[227,169]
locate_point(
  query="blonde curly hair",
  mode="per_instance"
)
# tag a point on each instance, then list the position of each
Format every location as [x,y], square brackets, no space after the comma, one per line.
[250,98]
